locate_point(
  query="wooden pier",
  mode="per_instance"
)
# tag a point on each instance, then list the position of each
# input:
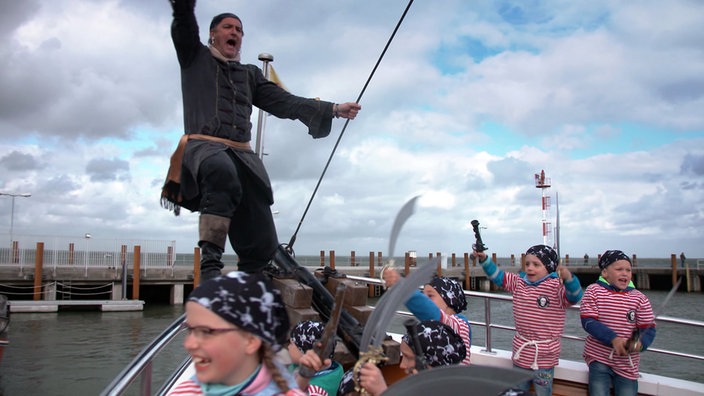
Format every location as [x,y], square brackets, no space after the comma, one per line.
[49,286]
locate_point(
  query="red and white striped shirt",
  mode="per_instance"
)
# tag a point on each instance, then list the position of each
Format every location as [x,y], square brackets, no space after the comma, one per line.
[461,327]
[539,316]
[622,312]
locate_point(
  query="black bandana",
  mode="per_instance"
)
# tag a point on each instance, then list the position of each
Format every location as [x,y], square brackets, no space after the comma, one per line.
[546,255]
[218,18]
[451,292]
[249,301]
[611,256]
[305,334]
[347,384]
[441,345]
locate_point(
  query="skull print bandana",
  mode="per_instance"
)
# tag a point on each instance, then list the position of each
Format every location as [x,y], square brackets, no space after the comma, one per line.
[347,384]
[611,256]
[441,345]
[451,292]
[546,255]
[249,301]
[305,334]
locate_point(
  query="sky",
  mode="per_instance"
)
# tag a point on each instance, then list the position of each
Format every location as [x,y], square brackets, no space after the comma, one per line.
[469,102]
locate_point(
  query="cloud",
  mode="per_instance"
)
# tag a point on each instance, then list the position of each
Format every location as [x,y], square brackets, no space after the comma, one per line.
[469,101]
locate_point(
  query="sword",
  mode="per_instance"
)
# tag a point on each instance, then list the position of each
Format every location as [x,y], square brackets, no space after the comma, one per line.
[404,214]
[634,339]
[375,330]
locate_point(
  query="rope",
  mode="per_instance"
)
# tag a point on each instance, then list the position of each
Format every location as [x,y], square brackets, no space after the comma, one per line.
[339,138]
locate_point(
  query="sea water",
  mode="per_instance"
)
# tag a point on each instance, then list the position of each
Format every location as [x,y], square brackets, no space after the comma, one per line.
[79,353]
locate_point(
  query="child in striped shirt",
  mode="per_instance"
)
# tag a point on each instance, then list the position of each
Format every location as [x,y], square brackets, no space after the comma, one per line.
[442,299]
[621,325]
[540,299]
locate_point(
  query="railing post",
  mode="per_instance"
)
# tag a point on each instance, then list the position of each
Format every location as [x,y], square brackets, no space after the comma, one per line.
[487,315]
[15,252]
[332,259]
[352,260]
[322,258]
[135,272]
[71,253]
[123,261]
[370,293]
[467,275]
[38,263]
[439,256]
[196,267]
[170,256]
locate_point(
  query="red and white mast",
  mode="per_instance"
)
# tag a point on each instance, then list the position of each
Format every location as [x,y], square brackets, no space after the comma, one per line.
[543,183]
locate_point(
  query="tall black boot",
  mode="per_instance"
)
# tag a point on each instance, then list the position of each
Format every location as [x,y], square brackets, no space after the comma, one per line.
[213,235]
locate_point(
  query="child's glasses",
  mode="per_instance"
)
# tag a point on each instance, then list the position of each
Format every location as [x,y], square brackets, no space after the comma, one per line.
[202,332]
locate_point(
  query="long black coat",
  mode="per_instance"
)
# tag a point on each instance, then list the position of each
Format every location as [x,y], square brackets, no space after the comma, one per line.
[218,97]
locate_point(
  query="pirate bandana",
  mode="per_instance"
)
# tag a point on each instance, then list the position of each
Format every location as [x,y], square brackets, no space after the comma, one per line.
[218,18]
[248,301]
[440,344]
[305,334]
[347,384]
[546,255]
[451,292]
[611,256]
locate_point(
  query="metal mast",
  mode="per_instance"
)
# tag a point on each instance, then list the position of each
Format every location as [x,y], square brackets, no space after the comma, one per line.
[543,183]
[259,143]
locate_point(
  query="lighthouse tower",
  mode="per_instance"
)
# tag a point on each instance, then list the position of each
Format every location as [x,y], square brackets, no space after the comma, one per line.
[543,183]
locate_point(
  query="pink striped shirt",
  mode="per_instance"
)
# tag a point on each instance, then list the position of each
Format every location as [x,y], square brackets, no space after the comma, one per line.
[539,316]
[622,312]
[461,327]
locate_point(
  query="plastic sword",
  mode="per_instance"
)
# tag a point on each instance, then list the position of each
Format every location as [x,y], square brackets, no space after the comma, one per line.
[404,214]
[635,335]
[375,330]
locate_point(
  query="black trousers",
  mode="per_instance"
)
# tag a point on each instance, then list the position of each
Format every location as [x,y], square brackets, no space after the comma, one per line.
[229,189]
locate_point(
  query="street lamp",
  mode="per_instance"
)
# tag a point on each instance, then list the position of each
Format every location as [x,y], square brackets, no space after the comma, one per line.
[12,213]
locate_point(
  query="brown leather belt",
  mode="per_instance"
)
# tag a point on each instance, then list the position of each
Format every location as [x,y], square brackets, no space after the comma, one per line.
[174,173]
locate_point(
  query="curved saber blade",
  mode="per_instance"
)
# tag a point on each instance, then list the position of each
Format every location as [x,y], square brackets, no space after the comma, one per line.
[391,301]
[406,211]
[672,292]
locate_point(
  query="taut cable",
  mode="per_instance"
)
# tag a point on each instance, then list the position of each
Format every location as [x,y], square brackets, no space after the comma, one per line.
[344,127]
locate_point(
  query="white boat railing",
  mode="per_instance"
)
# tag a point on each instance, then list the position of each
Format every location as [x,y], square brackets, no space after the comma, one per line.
[141,366]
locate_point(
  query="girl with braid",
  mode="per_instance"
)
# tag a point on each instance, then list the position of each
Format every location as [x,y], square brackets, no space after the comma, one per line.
[235,324]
